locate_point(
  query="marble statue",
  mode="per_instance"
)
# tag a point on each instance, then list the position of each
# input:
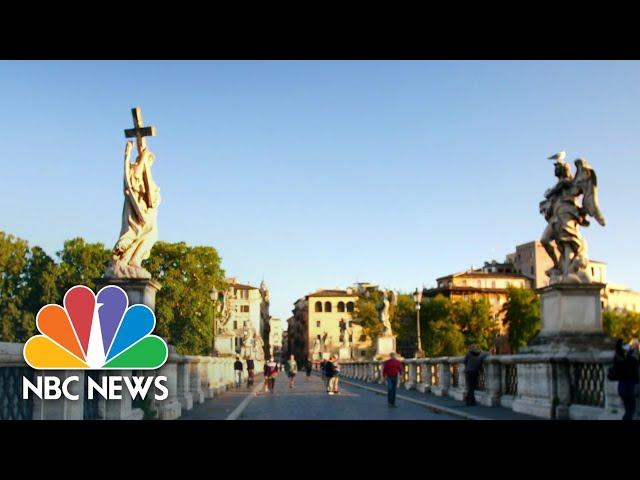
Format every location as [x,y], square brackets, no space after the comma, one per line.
[345,332]
[564,215]
[139,231]
[388,301]
[316,346]
[258,343]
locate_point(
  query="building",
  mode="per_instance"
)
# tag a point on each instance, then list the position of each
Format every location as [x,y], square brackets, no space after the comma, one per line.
[321,319]
[243,319]
[480,283]
[532,260]
[275,336]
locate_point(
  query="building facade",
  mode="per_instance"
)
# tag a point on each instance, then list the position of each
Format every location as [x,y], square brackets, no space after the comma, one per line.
[275,337]
[323,324]
[481,283]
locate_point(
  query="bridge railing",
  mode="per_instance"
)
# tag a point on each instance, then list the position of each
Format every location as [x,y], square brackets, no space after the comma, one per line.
[190,379]
[561,386]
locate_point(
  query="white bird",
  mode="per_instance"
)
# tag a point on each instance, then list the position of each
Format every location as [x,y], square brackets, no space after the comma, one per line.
[560,156]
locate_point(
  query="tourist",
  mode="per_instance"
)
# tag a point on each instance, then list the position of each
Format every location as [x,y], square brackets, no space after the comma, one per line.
[472,364]
[237,366]
[250,371]
[270,374]
[333,372]
[308,367]
[391,370]
[625,371]
[292,369]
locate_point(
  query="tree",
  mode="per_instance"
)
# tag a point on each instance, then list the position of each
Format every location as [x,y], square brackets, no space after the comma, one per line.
[41,283]
[521,316]
[81,263]
[367,315]
[624,325]
[441,335]
[16,323]
[473,317]
[184,308]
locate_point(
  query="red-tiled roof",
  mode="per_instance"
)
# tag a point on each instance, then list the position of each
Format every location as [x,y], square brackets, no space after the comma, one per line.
[331,293]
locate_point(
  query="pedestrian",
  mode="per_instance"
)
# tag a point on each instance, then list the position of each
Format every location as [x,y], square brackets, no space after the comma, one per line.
[391,370]
[292,369]
[237,367]
[625,371]
[308,367]
[270,374]
[323,374]
[332,372]
[472,364]
[250,372]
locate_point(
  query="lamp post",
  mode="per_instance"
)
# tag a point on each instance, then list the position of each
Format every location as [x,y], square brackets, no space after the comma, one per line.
[417,299]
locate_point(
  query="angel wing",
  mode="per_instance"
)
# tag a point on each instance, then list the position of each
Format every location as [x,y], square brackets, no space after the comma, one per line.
[588,182]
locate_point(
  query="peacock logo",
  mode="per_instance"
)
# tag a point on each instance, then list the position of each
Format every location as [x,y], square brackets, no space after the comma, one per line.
[95,332]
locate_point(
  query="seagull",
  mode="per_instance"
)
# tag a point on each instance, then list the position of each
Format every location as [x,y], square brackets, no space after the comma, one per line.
[560,156]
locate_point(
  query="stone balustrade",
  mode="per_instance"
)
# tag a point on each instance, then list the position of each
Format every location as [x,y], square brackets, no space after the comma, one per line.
[191,379]
[552,386]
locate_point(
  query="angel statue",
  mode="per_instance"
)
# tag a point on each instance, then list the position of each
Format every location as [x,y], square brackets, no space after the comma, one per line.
[565,208]
[139,231]
[388,302]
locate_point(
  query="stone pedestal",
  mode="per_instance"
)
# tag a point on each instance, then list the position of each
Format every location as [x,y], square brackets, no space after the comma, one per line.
[225,344]
[385,345]
[138,290]
[571,320]
[344,353]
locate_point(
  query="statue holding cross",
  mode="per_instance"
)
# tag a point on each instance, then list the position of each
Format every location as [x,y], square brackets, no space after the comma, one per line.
[139,231]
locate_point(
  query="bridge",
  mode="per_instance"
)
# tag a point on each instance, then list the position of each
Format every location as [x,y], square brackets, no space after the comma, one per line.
[511,387]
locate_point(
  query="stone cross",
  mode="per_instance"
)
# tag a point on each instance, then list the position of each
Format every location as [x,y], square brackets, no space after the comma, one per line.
[139,131]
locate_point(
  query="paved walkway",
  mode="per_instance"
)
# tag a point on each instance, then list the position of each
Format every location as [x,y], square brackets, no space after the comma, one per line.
[357,400]
[308,400]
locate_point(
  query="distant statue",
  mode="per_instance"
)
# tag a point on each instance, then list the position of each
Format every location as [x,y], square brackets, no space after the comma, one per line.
[388,301]
[139,231]
[258,346]
[564,215]
[316,345]
[247,342]
[345,332]
[325,342]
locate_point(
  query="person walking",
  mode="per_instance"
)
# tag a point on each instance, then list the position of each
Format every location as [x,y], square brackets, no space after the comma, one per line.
[237,367]
[308,367]
[250,371]
[391,370]
[625,371]
[472,364]
[270,374]
[333,372]
[292,369]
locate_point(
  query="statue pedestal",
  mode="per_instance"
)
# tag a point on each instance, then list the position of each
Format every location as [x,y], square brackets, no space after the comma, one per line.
[138,290]
[385,345]
[344,353]
[225,344]
[571,319]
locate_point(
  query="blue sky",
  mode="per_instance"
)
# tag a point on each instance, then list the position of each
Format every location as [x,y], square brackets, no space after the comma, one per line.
[319,174]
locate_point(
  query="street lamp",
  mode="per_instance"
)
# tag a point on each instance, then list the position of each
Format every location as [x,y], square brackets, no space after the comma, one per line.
[417,299]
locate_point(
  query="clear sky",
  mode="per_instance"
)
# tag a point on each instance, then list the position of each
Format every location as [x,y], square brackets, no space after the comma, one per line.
[320,174]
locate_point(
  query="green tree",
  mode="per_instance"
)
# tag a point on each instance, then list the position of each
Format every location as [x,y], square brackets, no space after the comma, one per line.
[474,319]
[624,325]
[521,316]
[441,335]
[367,315]
[81,263]
[184,308]
[16,323]
[41,283]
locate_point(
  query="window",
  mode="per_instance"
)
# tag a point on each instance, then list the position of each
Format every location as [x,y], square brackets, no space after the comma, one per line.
[350,306]
[341,306]
[327,306]
[235,324]
[318,306]
[532,270]
[244,308]
[351,338]
[318,323]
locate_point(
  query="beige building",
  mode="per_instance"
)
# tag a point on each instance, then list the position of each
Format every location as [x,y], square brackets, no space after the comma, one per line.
[476,284]
[275,336]
[319,321]
[531,260]
[245,308]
